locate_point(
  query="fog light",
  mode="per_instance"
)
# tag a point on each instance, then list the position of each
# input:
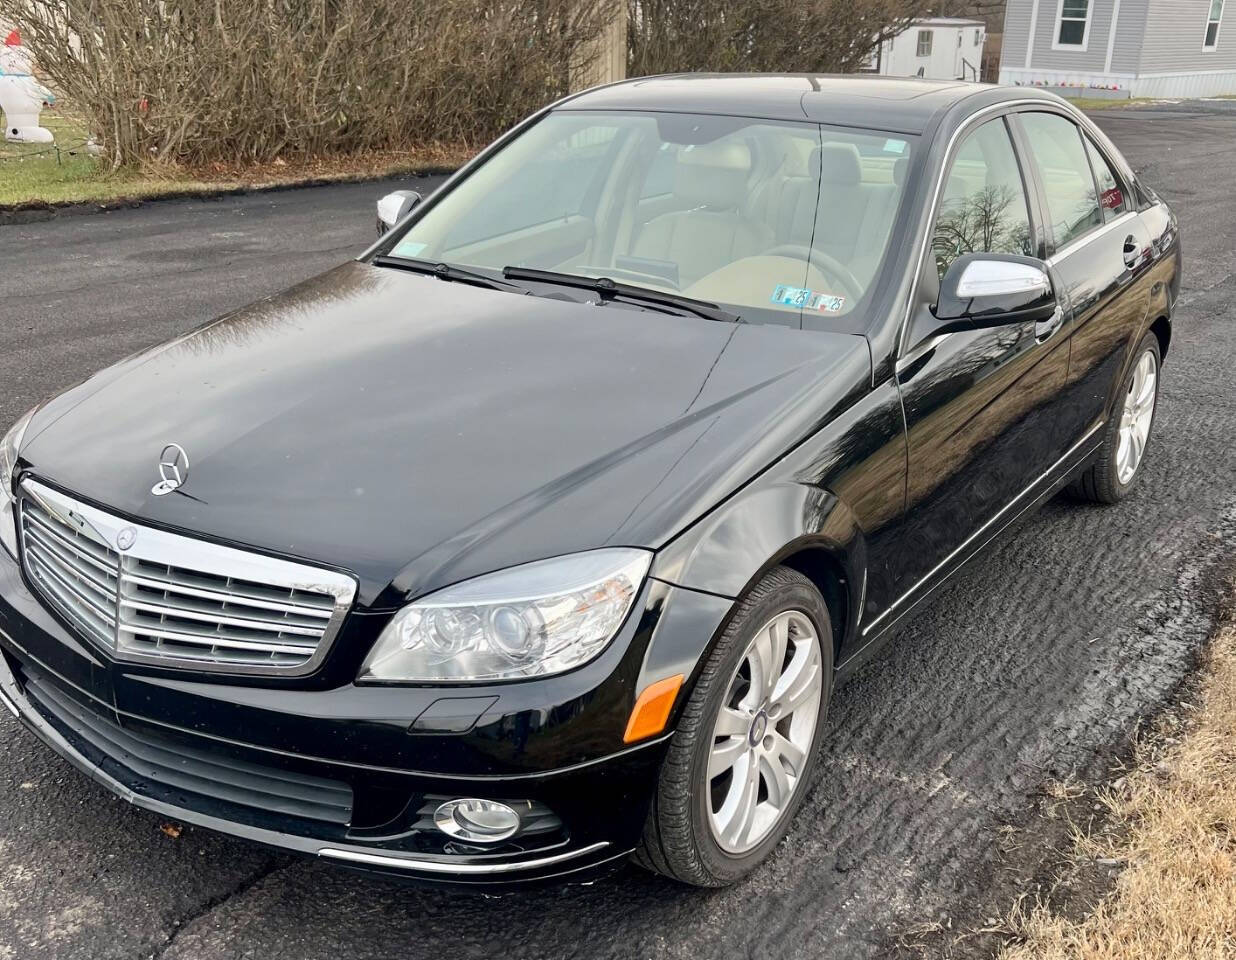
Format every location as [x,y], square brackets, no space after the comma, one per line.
[480,821]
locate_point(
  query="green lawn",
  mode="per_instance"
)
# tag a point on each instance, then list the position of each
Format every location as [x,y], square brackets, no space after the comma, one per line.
[38,172]
[30,171]
[1105,103]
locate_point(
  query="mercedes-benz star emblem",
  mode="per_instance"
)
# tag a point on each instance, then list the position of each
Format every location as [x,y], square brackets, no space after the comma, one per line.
[173,468]
[126,538]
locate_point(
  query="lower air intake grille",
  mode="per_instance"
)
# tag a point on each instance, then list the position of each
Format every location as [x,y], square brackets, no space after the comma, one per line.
[178,774]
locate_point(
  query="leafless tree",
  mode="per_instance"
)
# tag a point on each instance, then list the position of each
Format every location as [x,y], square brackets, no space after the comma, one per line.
[982,221]
[815,36]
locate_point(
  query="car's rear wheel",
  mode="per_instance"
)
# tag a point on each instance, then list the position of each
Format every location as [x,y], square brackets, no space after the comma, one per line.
[739,763]
[1115,470]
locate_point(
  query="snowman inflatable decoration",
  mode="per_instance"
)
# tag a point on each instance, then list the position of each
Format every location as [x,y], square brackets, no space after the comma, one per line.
[21,96]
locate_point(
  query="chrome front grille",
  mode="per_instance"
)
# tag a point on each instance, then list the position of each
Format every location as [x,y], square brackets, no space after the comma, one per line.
[78,575]
[175,600]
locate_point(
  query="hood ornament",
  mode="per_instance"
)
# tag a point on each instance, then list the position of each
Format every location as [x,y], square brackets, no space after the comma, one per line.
[173,468]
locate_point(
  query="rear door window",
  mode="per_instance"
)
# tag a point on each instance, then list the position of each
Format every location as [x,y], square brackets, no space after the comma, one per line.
[1072,200]
[1112,197]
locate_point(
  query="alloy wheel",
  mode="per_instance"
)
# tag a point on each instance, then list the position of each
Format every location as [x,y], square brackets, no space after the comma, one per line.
[1136,418]
[763,733]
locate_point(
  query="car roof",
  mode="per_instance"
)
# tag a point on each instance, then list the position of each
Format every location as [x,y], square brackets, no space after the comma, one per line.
[901,104]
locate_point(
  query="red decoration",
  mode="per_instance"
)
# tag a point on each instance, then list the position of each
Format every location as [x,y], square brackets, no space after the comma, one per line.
[13,39]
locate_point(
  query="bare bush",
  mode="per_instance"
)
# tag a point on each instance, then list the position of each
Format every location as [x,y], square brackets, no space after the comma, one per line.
[809,36]
[201,81]
[196,82]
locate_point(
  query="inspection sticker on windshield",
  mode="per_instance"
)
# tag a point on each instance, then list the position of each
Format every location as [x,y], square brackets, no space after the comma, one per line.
[791,296]
[805,299]
[407,248]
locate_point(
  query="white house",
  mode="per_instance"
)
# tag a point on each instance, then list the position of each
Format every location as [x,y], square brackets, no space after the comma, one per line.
[940,48]
[1127,48]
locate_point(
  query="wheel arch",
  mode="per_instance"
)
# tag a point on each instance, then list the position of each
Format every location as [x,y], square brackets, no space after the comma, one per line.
[803,527]
[1162,329]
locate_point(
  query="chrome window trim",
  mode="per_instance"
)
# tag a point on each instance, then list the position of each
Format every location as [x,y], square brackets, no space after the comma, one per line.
[1078,243]
[191,555]
[975,119]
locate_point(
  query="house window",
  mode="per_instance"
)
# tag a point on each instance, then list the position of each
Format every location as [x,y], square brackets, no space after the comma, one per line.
[924,43]
[1211,39]
[978,37]
[1072,25]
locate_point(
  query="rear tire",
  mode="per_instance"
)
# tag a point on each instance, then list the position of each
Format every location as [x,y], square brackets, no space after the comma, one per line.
[1118,464]
[742,723]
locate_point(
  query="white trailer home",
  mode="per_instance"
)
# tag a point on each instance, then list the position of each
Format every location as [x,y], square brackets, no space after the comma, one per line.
[1126,48]
[939,48]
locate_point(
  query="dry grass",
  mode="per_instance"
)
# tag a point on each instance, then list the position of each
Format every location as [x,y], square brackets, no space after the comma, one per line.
[1175,898]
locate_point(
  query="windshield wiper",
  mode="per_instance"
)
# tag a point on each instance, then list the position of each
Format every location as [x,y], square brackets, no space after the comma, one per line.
[609,289]
[446,271]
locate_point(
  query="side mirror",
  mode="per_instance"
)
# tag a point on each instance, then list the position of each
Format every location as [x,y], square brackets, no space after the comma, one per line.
[394,207]
[992,290]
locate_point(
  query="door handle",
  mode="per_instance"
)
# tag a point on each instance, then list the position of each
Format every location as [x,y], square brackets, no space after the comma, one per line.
[1043,329]
[1132,254]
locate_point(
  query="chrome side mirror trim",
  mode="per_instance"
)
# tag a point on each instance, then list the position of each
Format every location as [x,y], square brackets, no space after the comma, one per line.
[1001,278]
[394,207]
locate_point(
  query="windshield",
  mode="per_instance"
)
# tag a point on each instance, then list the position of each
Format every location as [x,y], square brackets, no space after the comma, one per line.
[768,219]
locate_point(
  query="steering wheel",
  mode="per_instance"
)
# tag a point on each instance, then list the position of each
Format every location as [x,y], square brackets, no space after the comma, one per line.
[837,269]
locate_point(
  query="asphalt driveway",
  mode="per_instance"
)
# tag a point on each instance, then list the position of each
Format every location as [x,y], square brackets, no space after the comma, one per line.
[1029,667]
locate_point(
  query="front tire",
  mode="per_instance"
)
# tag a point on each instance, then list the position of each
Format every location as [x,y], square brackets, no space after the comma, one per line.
[740,761]
[1114,472]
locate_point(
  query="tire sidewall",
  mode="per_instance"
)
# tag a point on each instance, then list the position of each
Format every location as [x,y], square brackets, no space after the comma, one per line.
[1149,344]
[800,596]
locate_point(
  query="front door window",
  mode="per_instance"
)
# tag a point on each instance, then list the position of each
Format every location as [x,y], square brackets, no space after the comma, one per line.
[983,208]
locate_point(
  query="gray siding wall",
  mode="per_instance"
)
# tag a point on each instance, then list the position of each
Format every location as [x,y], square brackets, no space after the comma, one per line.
[1016,33]
[1045,58]
[1127,52]
[1174,33]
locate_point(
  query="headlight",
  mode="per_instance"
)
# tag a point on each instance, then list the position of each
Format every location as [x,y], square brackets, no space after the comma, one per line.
[529,621]
[8,465]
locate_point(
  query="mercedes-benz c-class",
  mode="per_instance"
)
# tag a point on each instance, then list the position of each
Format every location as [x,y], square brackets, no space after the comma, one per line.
[540,535]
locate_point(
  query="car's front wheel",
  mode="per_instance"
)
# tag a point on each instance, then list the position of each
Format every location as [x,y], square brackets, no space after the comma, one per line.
[741,758]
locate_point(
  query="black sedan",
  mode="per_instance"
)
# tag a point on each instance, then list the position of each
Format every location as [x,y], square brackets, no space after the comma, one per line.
[541,534]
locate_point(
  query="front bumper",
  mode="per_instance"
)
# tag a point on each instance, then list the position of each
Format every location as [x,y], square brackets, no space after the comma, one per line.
[302,769]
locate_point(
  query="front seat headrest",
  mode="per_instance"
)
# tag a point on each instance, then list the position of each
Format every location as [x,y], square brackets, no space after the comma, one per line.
[838,163]
[713,174]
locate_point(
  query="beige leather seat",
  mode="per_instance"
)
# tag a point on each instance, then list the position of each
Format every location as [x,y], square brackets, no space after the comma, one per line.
[786,203]
[711,182]
[855,217]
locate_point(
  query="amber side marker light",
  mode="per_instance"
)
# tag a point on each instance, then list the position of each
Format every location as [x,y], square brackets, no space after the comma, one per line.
[652,709]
